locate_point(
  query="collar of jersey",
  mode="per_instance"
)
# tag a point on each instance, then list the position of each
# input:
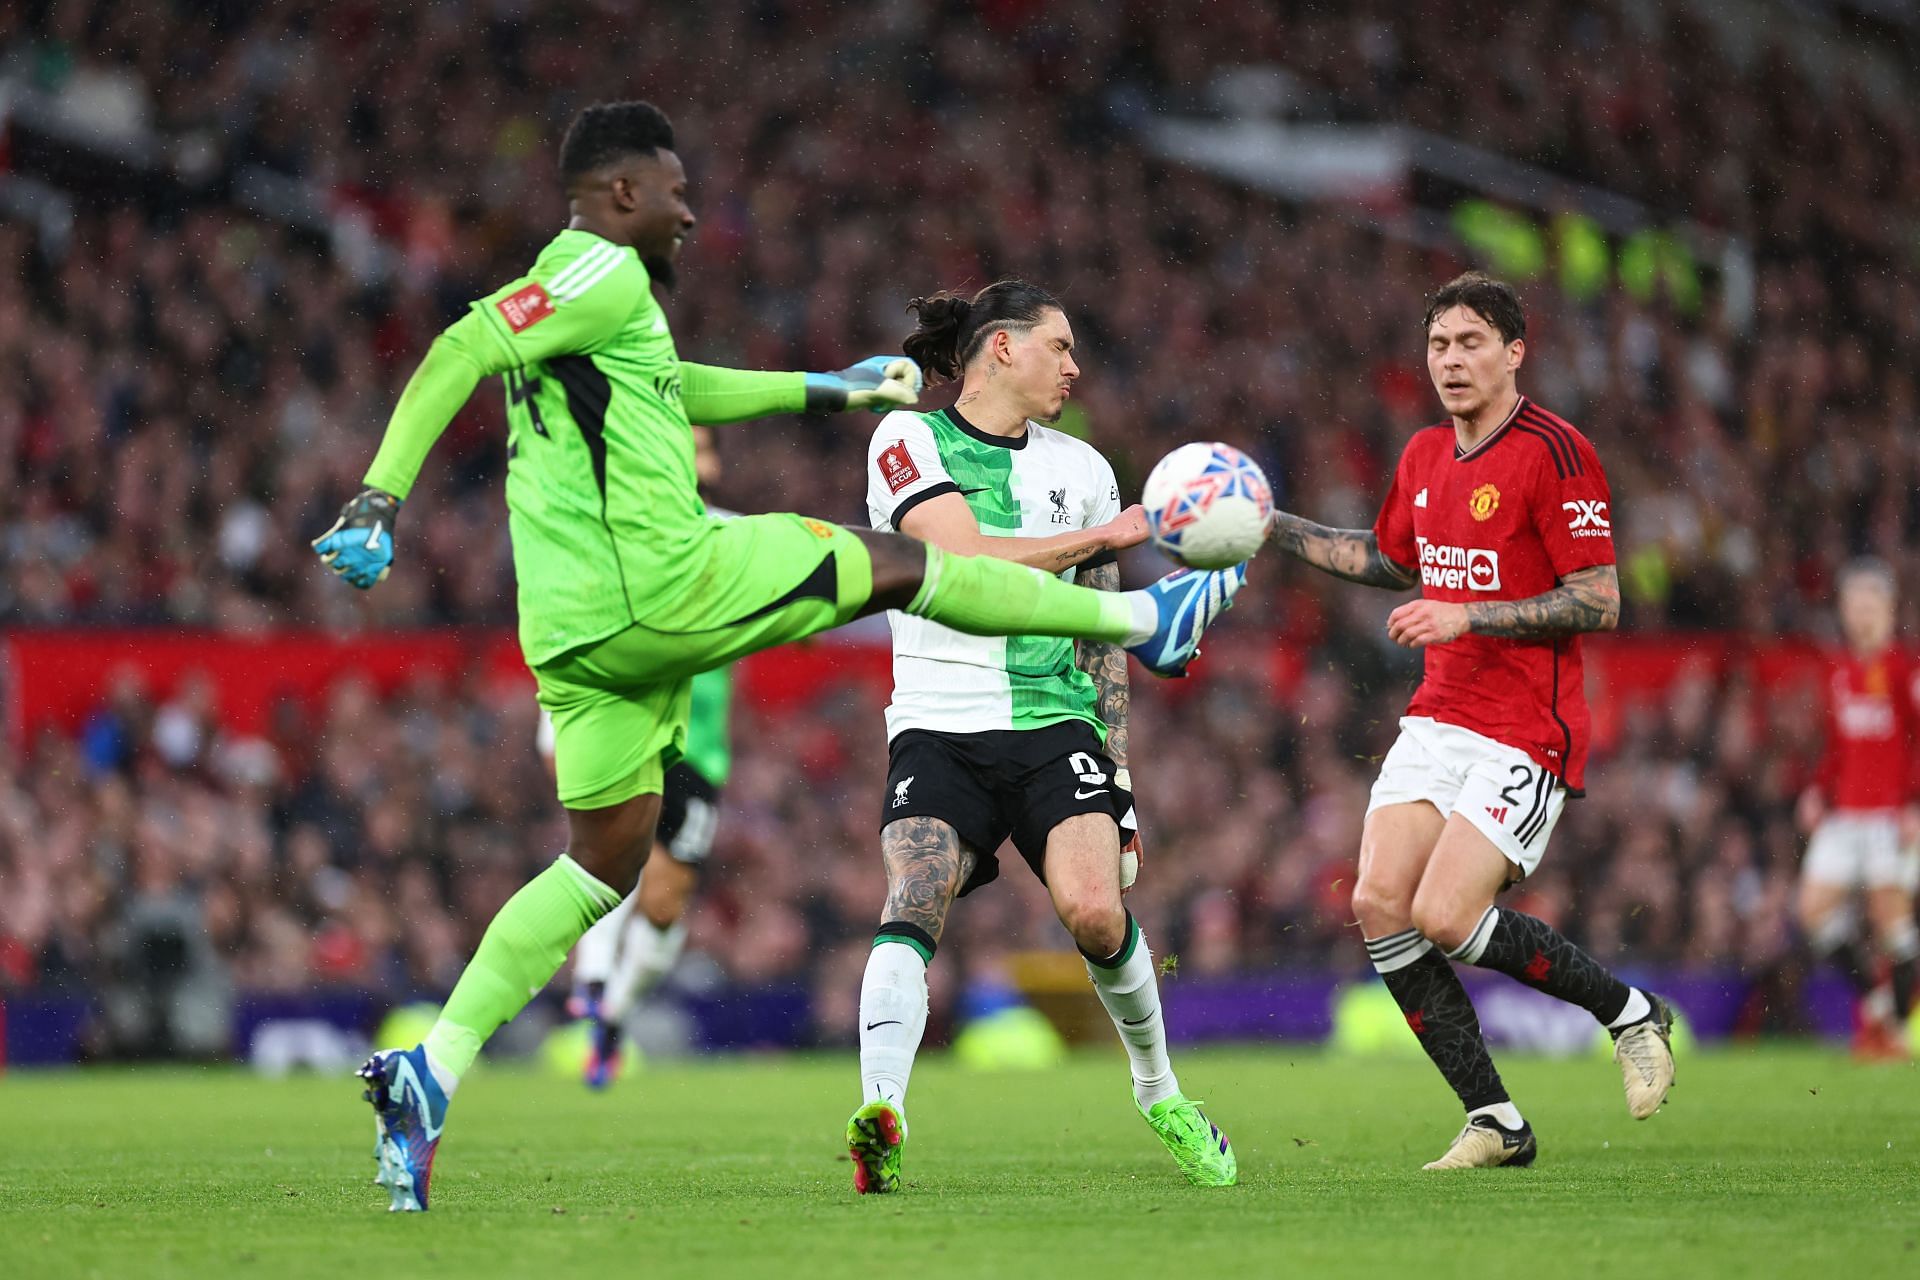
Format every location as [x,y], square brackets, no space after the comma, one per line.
[1518,406]
[986,437]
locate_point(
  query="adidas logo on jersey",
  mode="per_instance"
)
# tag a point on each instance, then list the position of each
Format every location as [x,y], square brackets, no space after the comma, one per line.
[1499,815]
[1420,499]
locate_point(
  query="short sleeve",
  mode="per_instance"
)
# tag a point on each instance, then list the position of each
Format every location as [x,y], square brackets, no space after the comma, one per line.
[567,309]
[903,469]
[1573,508]
[1393,527]
[1103,496]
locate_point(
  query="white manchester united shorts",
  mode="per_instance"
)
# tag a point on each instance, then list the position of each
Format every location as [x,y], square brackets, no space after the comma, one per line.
[1861,849]
[1514,801]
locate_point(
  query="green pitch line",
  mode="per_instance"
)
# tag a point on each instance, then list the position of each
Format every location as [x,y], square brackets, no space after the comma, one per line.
[1778,1161]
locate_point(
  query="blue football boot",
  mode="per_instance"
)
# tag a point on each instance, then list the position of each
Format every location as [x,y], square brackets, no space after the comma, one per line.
[409,1111]
[1188,601]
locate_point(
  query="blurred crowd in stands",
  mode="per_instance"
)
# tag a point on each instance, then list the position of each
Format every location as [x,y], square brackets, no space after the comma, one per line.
[188,390]
[368,841]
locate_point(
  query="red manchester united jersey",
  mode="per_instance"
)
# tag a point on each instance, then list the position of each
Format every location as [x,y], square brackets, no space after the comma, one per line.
[1506,520]
[1873,733]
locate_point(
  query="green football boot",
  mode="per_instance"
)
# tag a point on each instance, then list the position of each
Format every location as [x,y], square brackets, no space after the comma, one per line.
[1199,1148]
[874,1138]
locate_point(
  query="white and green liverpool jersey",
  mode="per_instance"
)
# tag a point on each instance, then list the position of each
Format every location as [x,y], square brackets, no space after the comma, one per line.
[1031,486]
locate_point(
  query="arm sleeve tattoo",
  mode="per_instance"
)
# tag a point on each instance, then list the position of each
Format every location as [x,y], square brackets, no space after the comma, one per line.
[1353,554]
[1587,600]
[1107,664]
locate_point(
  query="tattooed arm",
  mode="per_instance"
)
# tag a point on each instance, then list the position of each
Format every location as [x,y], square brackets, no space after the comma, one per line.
[1353,554]
[1107,664]
[948,523]
[926,865]
[1586,600]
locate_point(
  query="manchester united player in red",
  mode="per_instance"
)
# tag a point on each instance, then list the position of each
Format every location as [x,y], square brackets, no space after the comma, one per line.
[1863,811]
[1502,516]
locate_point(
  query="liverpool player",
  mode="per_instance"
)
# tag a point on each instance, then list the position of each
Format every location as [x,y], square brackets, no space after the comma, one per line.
[1502,516]
[1863,811]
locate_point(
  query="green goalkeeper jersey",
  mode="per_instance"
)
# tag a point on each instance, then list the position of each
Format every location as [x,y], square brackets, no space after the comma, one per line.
[601,498]
[608,528]
[709,751]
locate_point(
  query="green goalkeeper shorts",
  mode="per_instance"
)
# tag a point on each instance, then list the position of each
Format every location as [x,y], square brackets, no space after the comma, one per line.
[619,706]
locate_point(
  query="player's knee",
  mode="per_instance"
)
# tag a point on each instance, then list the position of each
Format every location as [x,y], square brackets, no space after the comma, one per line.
[899,567]
[1444,922]
[613,847]
[617,867]
[1890,915]
[1381,910]
[1097,921]
[662,911]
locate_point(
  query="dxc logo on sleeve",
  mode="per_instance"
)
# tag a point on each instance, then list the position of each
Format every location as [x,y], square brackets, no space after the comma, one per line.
[1587,519]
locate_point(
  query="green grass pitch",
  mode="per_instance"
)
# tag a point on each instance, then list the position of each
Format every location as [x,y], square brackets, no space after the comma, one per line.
[1777,1161]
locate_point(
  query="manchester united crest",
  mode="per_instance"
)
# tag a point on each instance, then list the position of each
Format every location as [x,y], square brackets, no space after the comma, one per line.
[1484,502]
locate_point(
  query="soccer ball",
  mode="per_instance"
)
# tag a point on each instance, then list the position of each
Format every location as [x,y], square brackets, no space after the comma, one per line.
[1208,505]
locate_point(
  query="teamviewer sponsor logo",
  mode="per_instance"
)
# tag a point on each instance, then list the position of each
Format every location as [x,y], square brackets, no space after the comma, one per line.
[1587,519]
[1458,568]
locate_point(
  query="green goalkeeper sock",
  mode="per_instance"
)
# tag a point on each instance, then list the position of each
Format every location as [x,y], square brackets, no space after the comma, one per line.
[983,596]
[523,947]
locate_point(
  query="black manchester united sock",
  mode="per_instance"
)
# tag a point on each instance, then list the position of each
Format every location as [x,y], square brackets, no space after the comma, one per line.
[1437,1008]
[1832,941]
[1903,959]
[1539,955]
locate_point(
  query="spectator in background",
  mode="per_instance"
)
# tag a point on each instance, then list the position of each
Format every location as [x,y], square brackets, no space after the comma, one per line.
[182,387]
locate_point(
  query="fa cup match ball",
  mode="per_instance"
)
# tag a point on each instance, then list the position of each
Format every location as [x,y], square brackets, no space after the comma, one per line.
[1208,505]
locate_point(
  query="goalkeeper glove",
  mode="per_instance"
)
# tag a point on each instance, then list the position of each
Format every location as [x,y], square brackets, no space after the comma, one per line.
[359,547]
[1130,851]
[878,383]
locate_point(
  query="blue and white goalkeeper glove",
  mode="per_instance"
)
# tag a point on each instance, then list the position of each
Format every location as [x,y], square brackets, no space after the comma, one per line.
[359,547]
[878,383]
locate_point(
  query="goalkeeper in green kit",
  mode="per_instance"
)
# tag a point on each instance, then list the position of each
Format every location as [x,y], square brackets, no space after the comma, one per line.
[627,587]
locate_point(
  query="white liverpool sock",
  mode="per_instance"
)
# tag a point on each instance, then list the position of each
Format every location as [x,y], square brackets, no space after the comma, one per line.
[893,1017]
[645,961]
[593,955]
[1129,989]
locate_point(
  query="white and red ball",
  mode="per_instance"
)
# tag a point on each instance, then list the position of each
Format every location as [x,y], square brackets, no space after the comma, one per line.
[1208,505]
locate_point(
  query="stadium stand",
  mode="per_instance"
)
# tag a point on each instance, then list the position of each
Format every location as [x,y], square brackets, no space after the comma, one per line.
[214,272]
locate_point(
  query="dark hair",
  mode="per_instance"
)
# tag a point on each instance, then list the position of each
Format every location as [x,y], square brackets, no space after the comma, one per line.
[951,328]
[1492,300]
[607,131]
[1870,569]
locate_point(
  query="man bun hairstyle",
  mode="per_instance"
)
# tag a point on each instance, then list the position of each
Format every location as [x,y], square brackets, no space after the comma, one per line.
[607,131]
[951,328]
[1492,300]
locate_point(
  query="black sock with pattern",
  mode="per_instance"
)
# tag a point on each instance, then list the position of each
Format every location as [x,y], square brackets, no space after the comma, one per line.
[1534,952]
[1436,1006]
[1903,964]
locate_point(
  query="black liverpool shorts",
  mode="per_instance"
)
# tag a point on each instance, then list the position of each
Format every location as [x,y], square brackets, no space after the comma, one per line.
[1006,782]
[688,815]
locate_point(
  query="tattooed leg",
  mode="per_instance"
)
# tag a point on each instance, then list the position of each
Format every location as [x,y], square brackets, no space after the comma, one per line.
[927,862]
[926,865]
